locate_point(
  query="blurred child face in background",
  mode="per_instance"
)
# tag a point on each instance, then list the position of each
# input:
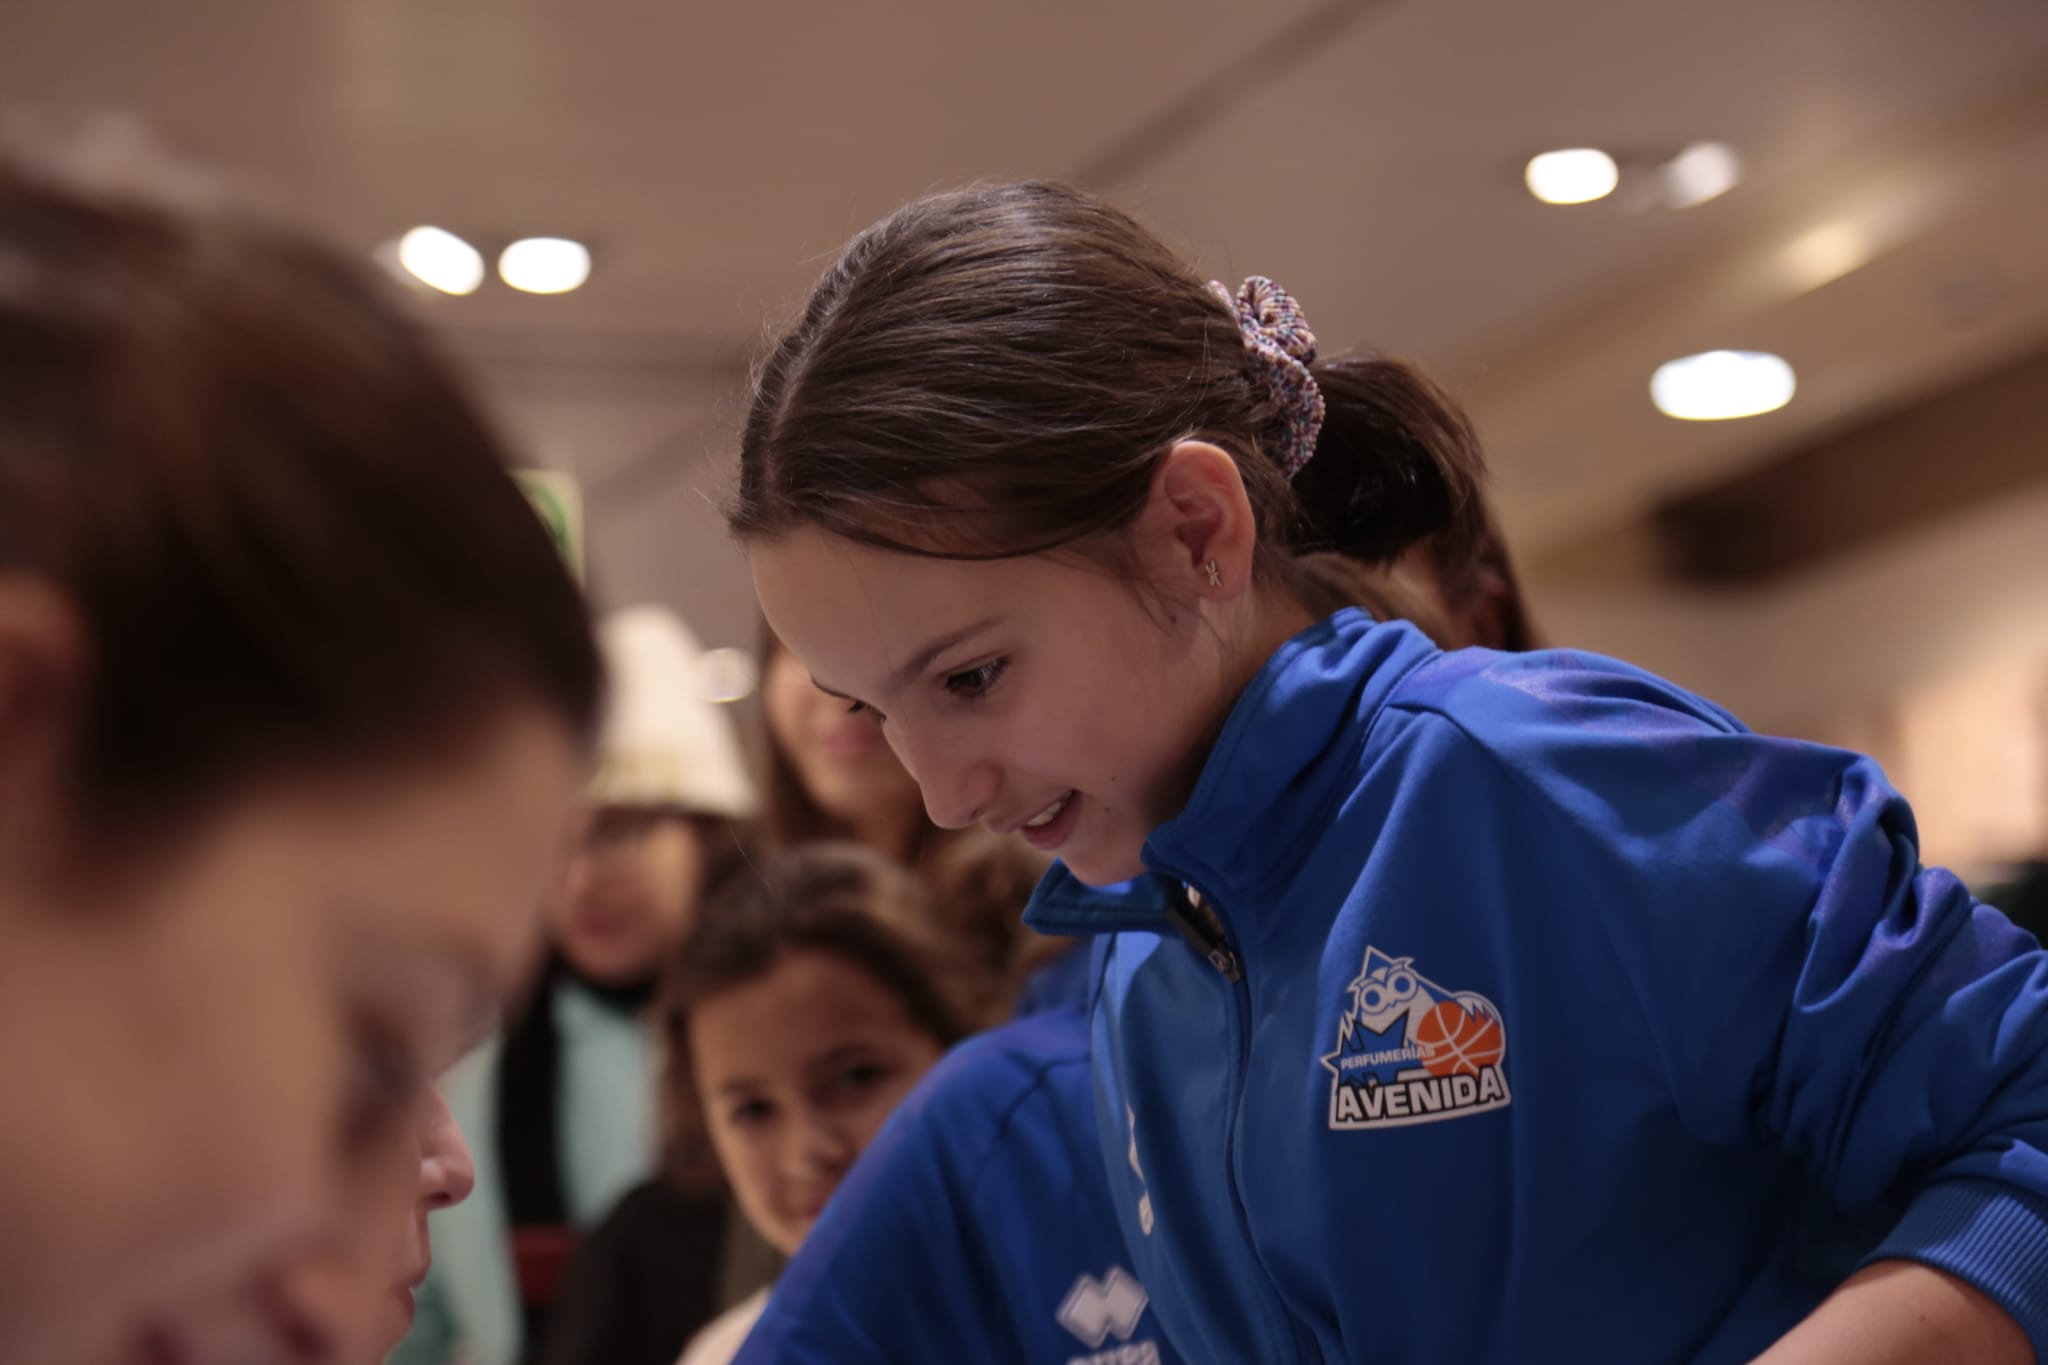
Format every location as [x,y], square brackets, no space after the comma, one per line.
[630,894]
[842,759]
[224,1051]
[796,1071]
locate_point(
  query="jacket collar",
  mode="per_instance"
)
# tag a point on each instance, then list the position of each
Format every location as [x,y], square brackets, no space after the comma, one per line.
[1287,755]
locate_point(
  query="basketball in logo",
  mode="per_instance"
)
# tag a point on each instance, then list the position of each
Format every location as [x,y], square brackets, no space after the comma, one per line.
[1453,1039]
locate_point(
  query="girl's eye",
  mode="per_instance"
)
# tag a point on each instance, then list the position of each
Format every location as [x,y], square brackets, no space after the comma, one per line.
[858,1080]
[861,708]
[975,683]
[750,1112]
[861,1077]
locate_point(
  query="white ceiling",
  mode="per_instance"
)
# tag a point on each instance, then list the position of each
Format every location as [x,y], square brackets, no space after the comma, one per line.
[1365,152]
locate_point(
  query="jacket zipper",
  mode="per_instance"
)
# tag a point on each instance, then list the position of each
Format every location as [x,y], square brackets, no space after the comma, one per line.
[1205,932]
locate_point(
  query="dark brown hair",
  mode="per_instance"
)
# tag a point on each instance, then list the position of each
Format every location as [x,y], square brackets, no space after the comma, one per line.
[288,536]
[842,900]
[996,372]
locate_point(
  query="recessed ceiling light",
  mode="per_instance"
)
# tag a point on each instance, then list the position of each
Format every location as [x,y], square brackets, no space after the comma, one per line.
[1703,171]
[1577,175]
[439,258]
[545,265]
[1718,385]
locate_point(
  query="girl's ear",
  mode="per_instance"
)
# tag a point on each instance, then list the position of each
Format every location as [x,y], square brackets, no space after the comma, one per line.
[1198,524]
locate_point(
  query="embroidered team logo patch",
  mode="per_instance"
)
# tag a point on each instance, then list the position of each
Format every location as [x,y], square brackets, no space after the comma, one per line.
[1410,1051]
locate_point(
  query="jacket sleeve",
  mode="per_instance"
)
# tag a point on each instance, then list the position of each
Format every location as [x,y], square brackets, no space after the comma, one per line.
[1804,981]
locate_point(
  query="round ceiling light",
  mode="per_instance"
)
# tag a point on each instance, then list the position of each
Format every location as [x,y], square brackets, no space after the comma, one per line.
[437,257]
[545,265]
[1715,386]
[1577,175]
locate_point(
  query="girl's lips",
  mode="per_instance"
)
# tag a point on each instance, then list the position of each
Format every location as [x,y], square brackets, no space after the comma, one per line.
[1047,838]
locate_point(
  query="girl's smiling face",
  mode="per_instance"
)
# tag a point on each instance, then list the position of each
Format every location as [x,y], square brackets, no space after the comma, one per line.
[1029,696]
[1045,695]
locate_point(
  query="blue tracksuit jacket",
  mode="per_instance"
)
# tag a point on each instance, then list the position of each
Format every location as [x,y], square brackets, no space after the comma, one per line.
[1527,1008]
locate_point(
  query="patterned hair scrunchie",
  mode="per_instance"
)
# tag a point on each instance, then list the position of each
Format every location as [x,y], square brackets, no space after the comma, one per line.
[1277,335]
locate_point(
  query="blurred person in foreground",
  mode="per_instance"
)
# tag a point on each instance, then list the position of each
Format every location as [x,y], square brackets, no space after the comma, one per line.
[295,700]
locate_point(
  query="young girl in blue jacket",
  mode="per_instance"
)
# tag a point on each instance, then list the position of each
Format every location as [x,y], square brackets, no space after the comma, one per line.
[1448,1006]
